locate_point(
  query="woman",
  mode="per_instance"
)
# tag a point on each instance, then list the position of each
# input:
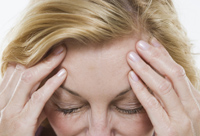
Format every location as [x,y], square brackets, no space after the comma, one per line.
[100,68]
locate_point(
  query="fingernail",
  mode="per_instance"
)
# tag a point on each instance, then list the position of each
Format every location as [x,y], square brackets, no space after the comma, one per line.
[20,66]
[61,72]
[134,76]
[134,57]
[155,42]
[59,50]
[143,45]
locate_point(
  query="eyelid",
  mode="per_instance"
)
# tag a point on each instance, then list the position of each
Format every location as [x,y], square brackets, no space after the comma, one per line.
[130,111]
[69,111]
[67,101]
[68,106]
[129,105]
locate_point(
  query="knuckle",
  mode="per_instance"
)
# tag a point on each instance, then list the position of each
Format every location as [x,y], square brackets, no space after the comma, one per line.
[156,54]
[36,97]
[5,114]
[152,102]
[48,62]
[26,76]
[153,61]
[187,124]
[141,87]
[178,71]
[20,67]
[145,68]
[171,131]
[196,114]
[18,125]
[164,87]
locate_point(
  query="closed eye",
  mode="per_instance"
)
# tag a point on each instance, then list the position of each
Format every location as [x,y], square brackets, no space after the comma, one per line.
[69,111]
[130,111]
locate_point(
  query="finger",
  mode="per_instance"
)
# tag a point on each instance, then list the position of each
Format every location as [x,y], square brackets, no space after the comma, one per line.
[160,86]
[9,89]
[194,113]
[156,113]
[34,75]
[41,118]
[39,98]
[7,76]
[158,57]
[195,92]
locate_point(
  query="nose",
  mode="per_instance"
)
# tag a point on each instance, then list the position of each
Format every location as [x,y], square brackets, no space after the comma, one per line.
[100,124]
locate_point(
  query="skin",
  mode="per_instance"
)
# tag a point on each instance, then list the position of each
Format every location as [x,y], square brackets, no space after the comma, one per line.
[100,75]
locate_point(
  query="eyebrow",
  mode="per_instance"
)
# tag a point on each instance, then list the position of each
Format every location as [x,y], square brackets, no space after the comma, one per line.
[123,92]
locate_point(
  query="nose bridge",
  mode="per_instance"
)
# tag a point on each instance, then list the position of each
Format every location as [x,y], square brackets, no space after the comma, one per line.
[99,122]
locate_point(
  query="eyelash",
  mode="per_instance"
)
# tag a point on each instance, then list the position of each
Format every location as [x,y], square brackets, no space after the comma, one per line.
[69,111]
[130,111]
[124,111]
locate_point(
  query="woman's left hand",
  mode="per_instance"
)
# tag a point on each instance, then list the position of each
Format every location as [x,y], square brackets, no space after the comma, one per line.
[174,107]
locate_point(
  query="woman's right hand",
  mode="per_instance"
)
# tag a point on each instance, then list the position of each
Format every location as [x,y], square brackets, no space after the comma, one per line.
[21,104]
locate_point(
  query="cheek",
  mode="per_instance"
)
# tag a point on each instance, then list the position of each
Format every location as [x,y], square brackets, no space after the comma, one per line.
[137,125]
[65,125]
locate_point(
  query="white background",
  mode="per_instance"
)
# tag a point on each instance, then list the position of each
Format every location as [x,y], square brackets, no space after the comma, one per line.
[188,10]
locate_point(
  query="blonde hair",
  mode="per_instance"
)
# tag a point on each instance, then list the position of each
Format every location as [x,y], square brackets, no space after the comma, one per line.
[49,22]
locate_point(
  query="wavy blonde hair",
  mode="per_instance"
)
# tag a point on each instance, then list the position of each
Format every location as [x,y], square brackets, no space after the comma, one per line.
[46,23]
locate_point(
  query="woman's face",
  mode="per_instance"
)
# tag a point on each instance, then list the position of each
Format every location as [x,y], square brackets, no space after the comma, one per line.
[96,98]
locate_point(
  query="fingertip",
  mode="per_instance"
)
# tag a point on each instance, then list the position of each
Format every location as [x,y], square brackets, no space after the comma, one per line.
[20,67]
[144,46]
[62,72]
[59,49]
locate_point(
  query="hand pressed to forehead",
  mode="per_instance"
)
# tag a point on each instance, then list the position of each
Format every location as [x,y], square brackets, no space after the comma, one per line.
[172,110]
[21,102]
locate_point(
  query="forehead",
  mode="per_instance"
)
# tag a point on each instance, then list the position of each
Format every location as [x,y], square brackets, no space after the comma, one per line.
[98,68]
